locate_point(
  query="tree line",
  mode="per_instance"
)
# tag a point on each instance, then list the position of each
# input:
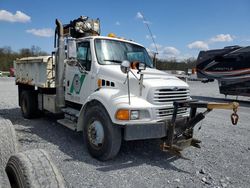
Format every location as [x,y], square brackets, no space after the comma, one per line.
[173,64]
[7,55]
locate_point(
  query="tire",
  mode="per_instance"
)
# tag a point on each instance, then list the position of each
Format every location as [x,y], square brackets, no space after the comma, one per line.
[29,104]
[8,142]
[33,169]
[4,181]
[108,138]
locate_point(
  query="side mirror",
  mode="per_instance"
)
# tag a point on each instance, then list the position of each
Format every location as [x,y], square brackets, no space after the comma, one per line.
[125,66]
[142,66]
[71,49]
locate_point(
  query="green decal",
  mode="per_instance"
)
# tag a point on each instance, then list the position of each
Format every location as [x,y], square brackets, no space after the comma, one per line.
[76,84]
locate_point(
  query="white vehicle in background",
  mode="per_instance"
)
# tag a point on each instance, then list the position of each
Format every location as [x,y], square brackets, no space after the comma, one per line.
[107,88]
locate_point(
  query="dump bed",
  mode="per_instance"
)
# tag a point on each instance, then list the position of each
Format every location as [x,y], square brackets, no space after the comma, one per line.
[35,71]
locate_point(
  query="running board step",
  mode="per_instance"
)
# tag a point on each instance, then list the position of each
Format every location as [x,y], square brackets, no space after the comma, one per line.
[71,111]
[67,123]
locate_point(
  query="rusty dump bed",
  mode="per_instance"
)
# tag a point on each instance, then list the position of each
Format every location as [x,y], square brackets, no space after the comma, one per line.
[35,71]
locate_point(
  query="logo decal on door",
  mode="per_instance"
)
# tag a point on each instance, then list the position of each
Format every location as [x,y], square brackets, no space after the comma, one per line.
[76,84]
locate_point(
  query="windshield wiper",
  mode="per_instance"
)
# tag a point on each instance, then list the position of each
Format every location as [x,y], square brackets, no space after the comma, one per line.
[113,60]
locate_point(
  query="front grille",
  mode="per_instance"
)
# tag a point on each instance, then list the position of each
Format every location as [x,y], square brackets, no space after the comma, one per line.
[164,96]
[168,112]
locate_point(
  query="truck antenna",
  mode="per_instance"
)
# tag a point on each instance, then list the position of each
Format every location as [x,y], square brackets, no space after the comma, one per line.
[151,35]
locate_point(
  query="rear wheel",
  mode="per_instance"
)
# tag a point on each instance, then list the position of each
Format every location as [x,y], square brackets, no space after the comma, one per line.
[29,106]
[102,138]
[8,142]
[33,169]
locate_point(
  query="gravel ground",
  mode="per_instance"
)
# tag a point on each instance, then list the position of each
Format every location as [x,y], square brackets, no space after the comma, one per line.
[223,160]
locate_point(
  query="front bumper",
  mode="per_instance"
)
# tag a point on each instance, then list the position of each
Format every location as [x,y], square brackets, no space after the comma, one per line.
[151,130]
[145,131]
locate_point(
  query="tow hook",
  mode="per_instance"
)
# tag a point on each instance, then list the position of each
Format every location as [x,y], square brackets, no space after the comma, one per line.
[234,117]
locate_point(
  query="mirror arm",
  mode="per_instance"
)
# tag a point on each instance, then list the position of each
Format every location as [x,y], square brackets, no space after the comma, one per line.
[128,88]
[81,68]
[134,75]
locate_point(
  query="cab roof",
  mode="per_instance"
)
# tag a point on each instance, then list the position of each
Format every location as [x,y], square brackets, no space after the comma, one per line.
[110,38]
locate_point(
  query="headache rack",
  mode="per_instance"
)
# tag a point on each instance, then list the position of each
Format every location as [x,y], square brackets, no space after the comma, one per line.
[82,27]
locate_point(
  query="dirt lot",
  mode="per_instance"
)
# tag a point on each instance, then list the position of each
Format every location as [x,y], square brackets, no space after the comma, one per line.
[223,160]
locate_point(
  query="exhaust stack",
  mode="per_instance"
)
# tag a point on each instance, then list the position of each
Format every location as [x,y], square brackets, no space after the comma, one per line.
[60,56]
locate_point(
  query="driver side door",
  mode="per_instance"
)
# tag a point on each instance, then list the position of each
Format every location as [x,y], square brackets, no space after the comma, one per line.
[77,79]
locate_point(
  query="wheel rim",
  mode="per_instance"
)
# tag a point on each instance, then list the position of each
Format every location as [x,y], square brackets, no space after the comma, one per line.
[96,134]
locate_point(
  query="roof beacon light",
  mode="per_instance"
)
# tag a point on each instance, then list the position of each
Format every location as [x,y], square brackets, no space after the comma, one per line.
[112,35]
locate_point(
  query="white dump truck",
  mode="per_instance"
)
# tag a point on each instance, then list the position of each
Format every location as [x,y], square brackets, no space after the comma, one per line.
[108,88]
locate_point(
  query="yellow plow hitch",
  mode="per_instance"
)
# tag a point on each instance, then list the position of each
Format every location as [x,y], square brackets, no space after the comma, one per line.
[230,106]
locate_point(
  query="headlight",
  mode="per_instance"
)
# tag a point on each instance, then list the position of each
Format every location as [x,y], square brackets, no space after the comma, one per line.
[134,114]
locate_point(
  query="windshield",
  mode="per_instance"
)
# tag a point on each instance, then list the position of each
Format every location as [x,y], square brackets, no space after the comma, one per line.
[114,52]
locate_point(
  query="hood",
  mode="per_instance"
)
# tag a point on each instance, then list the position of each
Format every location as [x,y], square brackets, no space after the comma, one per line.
[152,78]
[157,78]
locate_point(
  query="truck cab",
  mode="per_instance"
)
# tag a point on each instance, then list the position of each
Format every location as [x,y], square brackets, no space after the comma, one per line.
[98,74]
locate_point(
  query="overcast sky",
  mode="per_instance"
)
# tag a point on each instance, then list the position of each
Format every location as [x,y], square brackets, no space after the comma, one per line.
[181,28]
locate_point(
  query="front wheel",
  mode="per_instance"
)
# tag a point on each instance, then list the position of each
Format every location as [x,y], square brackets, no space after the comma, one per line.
[102,138]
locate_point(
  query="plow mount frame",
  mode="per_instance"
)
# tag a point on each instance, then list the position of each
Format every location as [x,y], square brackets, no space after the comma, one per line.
[176,142]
